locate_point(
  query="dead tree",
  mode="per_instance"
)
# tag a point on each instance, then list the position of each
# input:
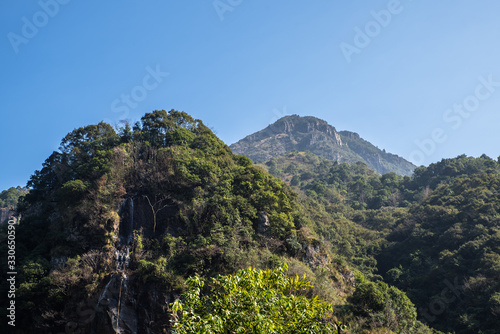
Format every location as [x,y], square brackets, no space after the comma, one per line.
[156,206]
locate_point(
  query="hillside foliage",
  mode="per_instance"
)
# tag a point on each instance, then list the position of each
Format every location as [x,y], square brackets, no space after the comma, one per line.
[199,210]
[433,235]
[252,301]
[9,197]
[162,214]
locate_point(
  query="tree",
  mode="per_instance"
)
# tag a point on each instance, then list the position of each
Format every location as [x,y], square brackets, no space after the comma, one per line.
[161,129]
[252,301]
[156,206]
[9,197]
[391,305]
[88,140]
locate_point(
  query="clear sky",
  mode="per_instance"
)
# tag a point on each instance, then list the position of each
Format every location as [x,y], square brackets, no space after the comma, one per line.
[396,72]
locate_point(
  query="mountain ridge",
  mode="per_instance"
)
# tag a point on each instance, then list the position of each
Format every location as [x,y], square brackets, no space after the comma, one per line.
[309,133]
[137,216]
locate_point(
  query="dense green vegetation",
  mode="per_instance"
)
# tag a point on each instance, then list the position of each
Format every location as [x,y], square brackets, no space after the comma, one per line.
[199,210]
[252,301]
[9,197]
[171,159]
[162,214]
[433,235]
[446,254]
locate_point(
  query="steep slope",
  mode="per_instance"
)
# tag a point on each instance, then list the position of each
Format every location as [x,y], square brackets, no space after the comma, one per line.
[5,214]
[435,235]
[8,202]
[446,252]
[114,223]
[315,135]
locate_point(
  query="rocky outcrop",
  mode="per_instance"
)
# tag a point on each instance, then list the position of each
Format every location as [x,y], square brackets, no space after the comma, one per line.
[314,257]
[5,214]
[124,304]
[263,225]
[136,213]
[296,133]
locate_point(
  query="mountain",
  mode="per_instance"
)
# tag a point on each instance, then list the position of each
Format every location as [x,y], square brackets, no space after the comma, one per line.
[161,228]
[120,230]
[434,235]
[296,133]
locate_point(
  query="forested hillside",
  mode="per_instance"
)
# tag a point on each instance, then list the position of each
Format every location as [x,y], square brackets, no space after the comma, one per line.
[9,197]
[158,227]
[152,227]
[8,202]
[434,235]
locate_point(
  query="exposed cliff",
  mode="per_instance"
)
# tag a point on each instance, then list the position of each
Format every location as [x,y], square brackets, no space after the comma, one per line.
[296,133]
[5,214]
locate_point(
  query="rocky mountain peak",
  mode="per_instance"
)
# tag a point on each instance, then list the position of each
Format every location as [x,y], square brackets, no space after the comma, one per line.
[308,133]
[303,124]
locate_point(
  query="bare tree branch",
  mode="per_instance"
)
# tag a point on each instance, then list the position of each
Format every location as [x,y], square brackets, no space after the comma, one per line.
[156,207]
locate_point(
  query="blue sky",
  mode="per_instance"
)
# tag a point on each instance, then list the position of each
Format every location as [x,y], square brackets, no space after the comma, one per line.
[419,78]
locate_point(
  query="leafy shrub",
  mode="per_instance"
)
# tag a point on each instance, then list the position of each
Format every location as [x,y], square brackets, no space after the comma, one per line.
[251,301]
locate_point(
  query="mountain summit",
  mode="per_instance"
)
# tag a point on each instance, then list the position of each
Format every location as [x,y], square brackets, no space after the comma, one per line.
[312,134]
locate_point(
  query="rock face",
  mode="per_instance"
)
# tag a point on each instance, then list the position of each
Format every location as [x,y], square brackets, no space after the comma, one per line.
[122,307]
[136,213]
[296,133]
[263,225]
[5,214]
